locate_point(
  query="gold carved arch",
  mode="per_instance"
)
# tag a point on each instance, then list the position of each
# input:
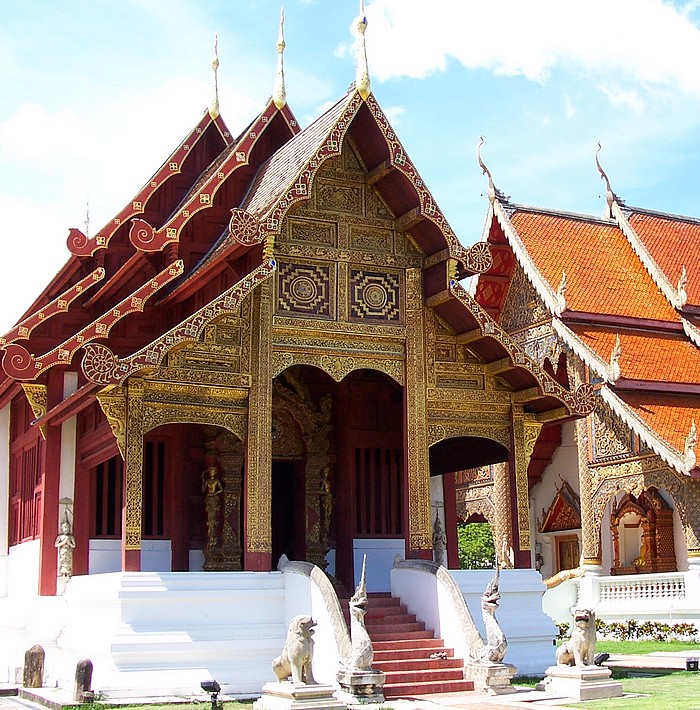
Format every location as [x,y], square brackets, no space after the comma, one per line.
[158,415]
[337,366]
[440,432]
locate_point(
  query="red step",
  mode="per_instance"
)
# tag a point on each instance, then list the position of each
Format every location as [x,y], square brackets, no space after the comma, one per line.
[402,650]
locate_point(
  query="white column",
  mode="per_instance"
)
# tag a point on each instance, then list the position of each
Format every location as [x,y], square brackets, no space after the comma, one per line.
[66,488]
[4,495]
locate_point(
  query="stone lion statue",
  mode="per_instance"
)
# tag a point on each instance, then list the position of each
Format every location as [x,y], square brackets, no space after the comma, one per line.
[297,654]
[579,650]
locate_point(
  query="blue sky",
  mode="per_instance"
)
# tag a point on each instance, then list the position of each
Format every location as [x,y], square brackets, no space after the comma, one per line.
[96,93]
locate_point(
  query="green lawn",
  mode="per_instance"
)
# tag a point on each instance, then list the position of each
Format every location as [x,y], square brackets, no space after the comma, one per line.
[673,690]
[643,647]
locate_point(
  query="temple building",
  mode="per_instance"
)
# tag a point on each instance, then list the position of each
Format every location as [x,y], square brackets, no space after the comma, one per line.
[611,301]
[273,350]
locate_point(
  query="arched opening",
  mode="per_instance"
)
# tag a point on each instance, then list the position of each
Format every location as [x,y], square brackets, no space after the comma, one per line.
[338,488]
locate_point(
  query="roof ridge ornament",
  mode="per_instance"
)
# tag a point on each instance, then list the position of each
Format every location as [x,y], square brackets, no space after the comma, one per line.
[362,82]
[689,458]
[610,196]
[493,192]
[214,106]
[681,294]
[561,292]
[614,367]
[279,94]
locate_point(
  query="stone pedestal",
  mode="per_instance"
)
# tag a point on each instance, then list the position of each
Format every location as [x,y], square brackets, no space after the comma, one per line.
[360,687]
[491,678]
[288,696]
[581,683]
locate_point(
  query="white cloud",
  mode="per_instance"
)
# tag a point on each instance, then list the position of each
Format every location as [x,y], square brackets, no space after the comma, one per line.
[645,41]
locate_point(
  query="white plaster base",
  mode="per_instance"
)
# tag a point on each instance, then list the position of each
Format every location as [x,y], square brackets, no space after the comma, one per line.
[361,687]
[491,678]
[581,683]
[288,696]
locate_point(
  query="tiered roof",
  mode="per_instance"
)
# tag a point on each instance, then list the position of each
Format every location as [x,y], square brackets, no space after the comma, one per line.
[607,286]
[200,236]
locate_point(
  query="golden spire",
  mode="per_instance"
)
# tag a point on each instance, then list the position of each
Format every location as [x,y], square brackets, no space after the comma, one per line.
[362,83]
[214,107]
[279,95]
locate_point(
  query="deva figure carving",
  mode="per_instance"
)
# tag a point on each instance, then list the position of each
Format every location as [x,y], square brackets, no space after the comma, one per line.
[297,655]
[65,543]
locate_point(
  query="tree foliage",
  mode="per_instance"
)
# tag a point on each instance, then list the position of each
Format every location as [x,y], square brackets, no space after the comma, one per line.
[475,544]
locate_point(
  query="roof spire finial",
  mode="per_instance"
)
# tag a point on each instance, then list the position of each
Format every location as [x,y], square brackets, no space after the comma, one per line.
[87,218]
[610,196]
[214,107]
[362,82]
[279,94]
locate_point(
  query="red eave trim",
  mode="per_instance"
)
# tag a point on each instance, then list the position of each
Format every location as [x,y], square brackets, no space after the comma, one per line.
[69,407]
[127,269]
[625,384]
[9,389]
[602,319]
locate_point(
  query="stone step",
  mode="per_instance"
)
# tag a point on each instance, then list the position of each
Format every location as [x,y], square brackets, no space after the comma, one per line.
[401,636]
[424,675]
[410,664]
[416,654]
[408,644]
[402,624]
[409,689]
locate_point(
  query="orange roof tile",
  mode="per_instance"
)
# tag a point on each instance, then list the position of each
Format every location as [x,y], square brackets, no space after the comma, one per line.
[657,357]
[673,242]
[670,416]
[602,272]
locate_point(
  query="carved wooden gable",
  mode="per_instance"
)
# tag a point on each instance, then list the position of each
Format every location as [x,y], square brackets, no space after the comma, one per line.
[339,256]
[564,512]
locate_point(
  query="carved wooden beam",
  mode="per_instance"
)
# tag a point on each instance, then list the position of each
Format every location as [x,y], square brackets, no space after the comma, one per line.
[527,395]
[409,219]
[469,336]
[380,172]
[498,366]
[437,299]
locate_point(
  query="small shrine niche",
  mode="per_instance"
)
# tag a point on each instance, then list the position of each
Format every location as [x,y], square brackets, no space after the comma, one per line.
[642,534]
[563,516]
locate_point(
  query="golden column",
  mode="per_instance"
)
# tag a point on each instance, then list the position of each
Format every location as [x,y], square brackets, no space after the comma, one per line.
[133,477]
[417,475]
[258,471]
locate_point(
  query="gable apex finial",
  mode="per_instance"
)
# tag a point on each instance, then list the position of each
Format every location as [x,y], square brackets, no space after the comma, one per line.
[279,93]
[610,196]
[214,107]
[493,192]
[362,82]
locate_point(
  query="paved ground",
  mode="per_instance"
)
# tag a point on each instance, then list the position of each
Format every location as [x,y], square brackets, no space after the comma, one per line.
[523,699]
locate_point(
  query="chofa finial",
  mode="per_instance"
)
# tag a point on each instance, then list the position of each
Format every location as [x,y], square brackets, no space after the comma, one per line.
[610,196]
[493,191]
[214,107]
[279,94]
[362,82]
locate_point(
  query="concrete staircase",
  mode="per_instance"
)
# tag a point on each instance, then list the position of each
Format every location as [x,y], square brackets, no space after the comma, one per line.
[403,649]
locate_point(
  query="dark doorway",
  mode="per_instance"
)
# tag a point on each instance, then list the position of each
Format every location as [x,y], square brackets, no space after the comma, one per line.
[288,511]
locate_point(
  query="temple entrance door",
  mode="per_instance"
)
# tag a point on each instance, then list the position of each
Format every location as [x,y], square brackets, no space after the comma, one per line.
[288,506]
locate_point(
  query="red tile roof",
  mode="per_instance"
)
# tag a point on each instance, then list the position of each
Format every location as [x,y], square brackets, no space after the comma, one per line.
[673,243]
[602,272]
[670,416]
[652,356]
